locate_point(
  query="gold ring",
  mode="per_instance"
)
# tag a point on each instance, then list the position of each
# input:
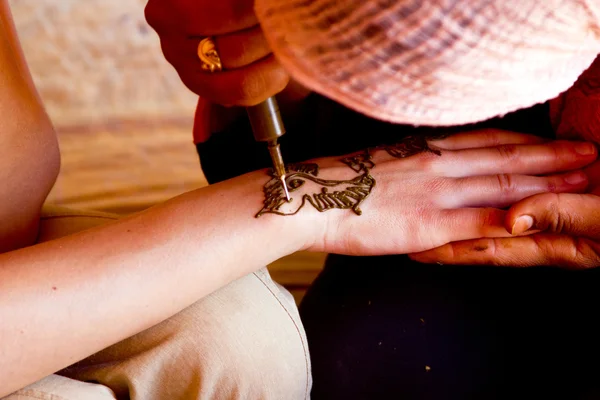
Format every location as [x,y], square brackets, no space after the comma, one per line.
[209,58]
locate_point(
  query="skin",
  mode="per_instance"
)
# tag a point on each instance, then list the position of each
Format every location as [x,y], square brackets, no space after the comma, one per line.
[29,169]
[561,230]
[150,266]
[335,194]
[451,186]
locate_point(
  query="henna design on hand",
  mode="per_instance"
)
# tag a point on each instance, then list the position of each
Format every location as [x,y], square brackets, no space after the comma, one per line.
[351,194]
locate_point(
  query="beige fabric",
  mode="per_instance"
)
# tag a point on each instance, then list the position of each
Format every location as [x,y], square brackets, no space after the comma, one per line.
[244,341]
[434,62]
[55,387]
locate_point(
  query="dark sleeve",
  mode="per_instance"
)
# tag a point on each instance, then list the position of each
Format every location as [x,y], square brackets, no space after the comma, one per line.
[234,151]
[231,153]
[324,128]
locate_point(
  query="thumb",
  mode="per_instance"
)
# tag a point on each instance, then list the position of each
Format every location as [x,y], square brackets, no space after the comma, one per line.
[566,213]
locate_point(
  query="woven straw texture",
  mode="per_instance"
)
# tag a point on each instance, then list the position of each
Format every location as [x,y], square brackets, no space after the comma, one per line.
[434,62]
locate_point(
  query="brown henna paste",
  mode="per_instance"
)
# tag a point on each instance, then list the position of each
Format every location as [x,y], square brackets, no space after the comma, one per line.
[353,192]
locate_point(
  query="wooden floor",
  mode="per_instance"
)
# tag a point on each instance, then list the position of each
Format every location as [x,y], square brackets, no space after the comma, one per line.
[125,167]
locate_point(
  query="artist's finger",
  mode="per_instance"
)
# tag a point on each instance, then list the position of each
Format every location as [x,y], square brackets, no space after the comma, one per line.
[484,138]
[469,223]
[242,48]
[246,86]
[527,251]
[572,214]
[200,17]
[236,50]
[557,156]
[504,190]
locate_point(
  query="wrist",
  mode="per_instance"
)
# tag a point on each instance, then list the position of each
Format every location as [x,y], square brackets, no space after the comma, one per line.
[296,232]
[278,235]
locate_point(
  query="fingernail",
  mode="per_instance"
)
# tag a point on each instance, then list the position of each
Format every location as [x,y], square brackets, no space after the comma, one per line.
[585,149]
[575,178]
[522,224]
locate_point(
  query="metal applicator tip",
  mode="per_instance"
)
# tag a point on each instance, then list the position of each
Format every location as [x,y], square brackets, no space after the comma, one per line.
[285,189]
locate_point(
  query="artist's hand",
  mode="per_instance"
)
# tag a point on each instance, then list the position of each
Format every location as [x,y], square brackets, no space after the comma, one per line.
[251,74]
[426,200]
[568,224]
[560,230]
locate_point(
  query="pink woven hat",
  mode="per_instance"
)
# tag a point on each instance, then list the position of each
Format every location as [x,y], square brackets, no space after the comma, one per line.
[434,62]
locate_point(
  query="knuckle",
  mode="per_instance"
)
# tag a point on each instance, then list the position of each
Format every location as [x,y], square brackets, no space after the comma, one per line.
[553,219]
[251,88]
[551,185]
[488,217]
[508,152]
[558,224]
[567,251]
[427,161]
[436,185]
[255,87]
[556,151]
[548,253]
[233,53]
[506,184]
[491,137]
[422,214]
[587,253]
[493,247]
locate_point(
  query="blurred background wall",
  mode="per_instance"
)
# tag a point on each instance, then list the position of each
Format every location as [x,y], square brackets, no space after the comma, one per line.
[123,117]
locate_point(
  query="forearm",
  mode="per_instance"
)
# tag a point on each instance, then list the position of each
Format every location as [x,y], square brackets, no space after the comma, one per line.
[63,300]
[29,157]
